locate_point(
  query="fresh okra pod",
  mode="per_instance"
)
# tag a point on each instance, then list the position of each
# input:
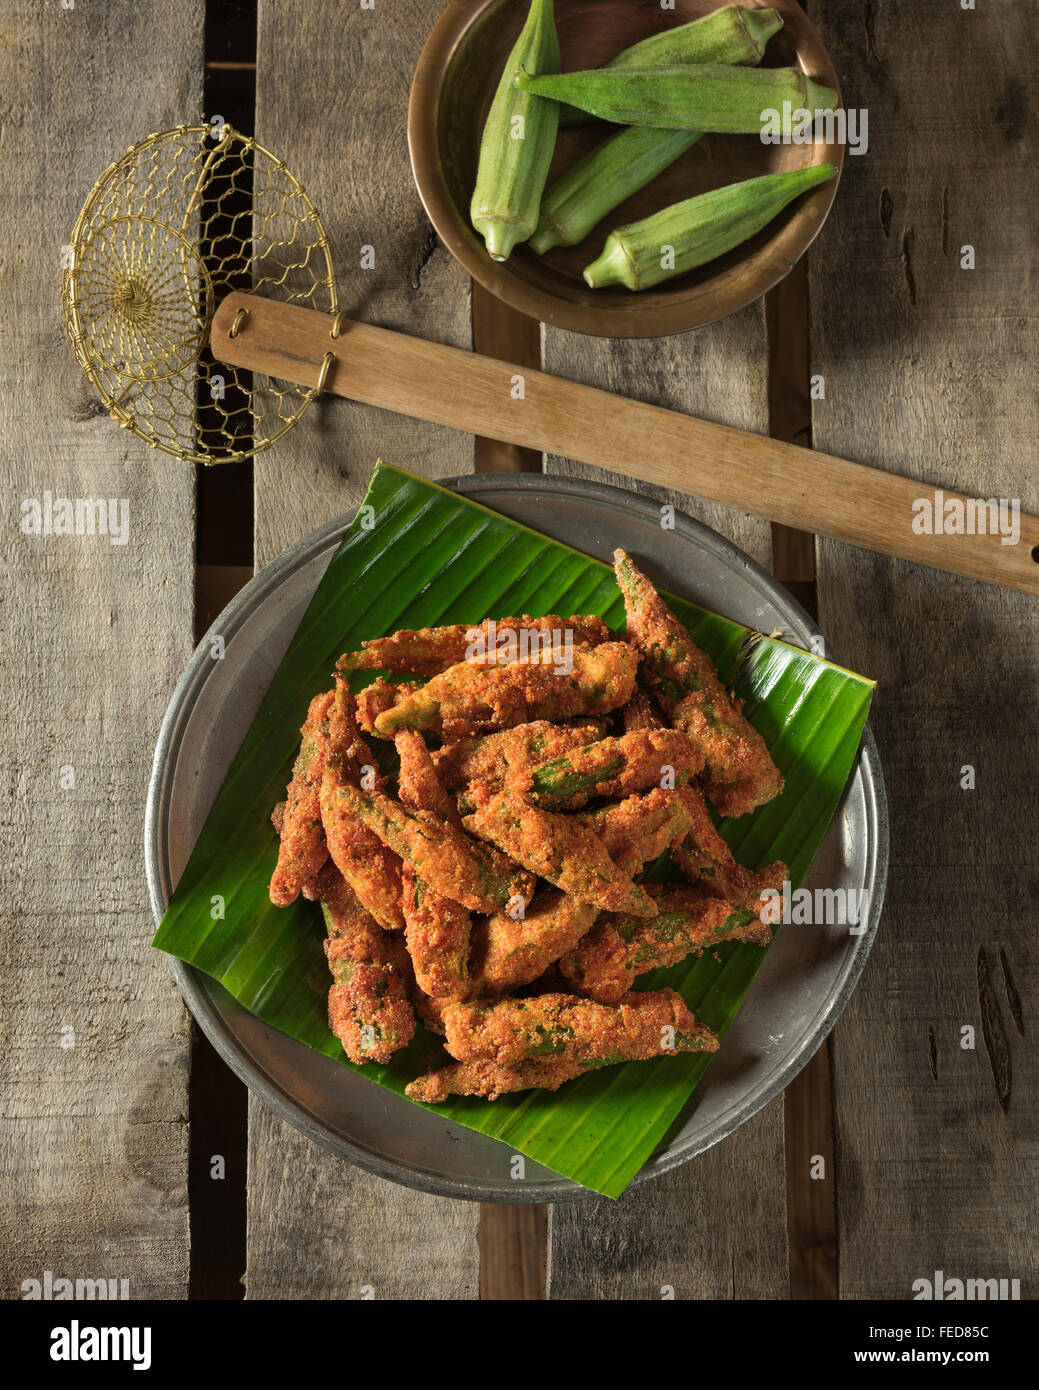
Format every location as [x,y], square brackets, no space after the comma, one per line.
[697,230]
[729,35]
[601,181]
[634,156]
[518,140]
[702,97]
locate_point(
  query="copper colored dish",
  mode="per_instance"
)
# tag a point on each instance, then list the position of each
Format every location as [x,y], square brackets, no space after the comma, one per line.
[452,91]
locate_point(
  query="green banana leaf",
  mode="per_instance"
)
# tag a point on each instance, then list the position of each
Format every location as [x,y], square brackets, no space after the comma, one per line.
[423,555]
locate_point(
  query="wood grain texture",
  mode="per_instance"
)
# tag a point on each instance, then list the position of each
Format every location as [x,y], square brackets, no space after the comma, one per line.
[318,1227]
[513,1252]
[715,1228]
[321,1229]
[930,370]
[93,1145]
[331,100]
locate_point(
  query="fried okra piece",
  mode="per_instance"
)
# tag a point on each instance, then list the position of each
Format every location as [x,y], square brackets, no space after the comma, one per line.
[615,767]
[605,963]
[371,869]
[303,849]
[508,757]
[430,1011]
[686,683]
[638,829]
[706,860]
[594,681]
[418,780]
[378,697]
[444,857]
[491,1080]
[561,849]
[641,713]
[368,1006]
[427,651]
[436,928]
[509,952]
[510,1031]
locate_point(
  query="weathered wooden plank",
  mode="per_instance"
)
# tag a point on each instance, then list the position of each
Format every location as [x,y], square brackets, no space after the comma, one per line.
[319,1228]
[513,1251]
[712,1229]
[670,1232]
[929,370]
[93,1144]
[331,100]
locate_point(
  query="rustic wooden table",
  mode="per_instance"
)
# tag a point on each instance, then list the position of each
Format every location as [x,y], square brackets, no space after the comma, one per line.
[921,365]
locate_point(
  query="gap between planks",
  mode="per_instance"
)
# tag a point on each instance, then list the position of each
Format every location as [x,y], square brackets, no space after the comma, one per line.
[808,1101]
[217,1100]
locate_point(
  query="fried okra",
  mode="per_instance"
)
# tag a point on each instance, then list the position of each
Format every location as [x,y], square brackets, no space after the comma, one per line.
[509,951]
[686,683]
[368,1006]
[507,758]
[641,713]
[302,850]
[638,829]
[614,767]
[705,858]
[491,1080]
[436,927]
[446,858]
[371,869]
[511,1031]
[561,849]
[429,650]
[605,964]
[594,681]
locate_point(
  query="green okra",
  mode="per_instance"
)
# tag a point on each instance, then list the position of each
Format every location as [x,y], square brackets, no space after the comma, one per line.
[706,97]
[633,157]
[518,140]
[697,230]
[601,181]
[732,34]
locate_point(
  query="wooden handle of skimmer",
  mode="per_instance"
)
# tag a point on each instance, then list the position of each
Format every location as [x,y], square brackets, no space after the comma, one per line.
[798,487]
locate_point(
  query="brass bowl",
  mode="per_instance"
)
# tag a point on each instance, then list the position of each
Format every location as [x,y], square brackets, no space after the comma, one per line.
[452,91]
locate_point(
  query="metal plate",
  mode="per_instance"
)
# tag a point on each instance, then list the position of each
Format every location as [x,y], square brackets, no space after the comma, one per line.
[804,984]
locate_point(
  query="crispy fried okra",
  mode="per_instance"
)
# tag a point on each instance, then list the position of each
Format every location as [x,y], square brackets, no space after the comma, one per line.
[368,1006]
[436,927]
[594,681]
[510,1031]
[605,964]
[303,850]
[427,651]
[740,772]
[561,849]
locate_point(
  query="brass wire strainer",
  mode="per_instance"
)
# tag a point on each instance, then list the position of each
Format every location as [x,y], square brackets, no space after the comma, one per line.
[182,219]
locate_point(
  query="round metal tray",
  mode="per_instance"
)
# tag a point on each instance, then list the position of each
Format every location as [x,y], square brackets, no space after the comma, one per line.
[804,984]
